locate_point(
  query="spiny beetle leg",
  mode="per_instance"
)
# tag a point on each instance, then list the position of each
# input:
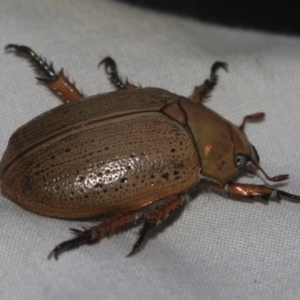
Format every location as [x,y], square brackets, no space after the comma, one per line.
[201,92]
[102,230]
[111,70]
[95,233]
[40,64]
[252,190]
[154,217]
[59,84]
[82,238]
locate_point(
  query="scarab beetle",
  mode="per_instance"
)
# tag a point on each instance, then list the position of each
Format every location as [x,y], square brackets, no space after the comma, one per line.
[132,154]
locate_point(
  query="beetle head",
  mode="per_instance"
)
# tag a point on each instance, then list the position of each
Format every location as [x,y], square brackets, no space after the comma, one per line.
[246,154]
[224,149]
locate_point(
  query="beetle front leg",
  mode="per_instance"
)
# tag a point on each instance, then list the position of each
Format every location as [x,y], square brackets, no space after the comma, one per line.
[113,75]
[59,84]
[251,190]
[202,92]
[154,217]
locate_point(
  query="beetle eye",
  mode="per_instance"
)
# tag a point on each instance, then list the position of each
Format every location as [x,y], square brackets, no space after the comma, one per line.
[241,161]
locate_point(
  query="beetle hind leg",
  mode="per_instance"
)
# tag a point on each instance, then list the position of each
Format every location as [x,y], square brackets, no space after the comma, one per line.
[111,70]
[202,91]
[59,84]
[96,233]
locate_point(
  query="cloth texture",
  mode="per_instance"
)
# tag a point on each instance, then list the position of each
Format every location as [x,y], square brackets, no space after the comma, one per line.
[216,248]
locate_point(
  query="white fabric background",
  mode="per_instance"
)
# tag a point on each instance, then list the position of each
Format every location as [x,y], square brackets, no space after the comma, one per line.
[217,248]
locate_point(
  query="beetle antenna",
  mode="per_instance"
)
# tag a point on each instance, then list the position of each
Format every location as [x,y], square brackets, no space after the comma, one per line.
[275,178]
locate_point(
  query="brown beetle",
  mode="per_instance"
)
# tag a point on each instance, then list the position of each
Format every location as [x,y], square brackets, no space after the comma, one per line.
[132,154]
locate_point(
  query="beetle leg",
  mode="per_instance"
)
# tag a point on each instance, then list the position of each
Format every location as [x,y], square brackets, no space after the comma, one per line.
[113,75]
[59,84]
[142,235]
[95,233]
[154,217]
[202,92]
[252,190]
[254,117]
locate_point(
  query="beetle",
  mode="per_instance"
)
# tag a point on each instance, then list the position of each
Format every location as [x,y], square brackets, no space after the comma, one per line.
[132,154]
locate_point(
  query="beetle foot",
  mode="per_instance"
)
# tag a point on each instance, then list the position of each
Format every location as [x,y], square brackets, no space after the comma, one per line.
[82,238]
[142,235]
[276,195]
[111,70]
[40,64]
[288,196]
[202,92]
[152,218]
[213,72]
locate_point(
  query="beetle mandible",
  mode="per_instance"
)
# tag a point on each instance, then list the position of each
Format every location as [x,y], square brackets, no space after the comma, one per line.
[132,154]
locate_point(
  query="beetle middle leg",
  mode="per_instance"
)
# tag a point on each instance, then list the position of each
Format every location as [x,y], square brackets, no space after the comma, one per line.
[111,70]
[202,92]
[59,84]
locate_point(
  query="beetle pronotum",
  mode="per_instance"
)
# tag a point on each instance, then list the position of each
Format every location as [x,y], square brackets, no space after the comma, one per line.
[132,154]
